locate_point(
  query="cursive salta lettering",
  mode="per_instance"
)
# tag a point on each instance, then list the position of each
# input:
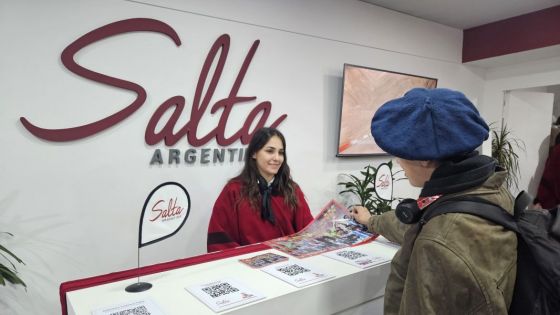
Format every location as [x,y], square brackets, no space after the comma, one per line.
[201,101]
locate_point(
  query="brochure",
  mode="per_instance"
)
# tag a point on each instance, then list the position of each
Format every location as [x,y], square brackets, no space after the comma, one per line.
[333,228]
[358,258]
[144,306]
[297,273]
[263,260]
[224,294]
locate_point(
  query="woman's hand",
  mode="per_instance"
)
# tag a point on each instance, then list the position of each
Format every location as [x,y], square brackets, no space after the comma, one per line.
[360,214]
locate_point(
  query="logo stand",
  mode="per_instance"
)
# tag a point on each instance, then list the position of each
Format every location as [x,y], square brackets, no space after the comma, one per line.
[138,286]
[164,223]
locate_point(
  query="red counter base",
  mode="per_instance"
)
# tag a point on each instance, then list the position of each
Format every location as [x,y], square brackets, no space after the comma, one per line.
[147,270]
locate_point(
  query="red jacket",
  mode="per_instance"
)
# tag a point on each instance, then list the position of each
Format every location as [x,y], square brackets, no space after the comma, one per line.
[232,226]
[548,194]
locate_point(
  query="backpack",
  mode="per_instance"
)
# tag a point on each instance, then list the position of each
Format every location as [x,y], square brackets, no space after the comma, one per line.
[537,286]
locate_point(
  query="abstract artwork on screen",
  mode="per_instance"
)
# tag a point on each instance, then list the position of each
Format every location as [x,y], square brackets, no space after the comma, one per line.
[364,91]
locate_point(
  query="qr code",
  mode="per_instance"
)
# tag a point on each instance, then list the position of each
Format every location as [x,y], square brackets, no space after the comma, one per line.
[140,310]
[220,289]
[352,255]
[293,270]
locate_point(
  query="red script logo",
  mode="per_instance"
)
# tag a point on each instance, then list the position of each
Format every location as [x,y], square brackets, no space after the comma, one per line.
[201,99]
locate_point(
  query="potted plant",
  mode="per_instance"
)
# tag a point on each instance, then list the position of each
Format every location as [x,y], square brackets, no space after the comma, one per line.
[9,272]
[364,189]
[504,147]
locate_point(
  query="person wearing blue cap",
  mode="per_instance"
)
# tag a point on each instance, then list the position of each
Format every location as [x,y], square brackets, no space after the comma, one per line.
[455,263]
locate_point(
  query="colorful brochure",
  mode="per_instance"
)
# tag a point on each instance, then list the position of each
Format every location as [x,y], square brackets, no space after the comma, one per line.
[332,229]
[263,260]
[297,273]
[144,306]
[224,294]
[358,258]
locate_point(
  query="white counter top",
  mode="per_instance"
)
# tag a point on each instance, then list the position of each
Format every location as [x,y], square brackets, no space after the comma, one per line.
[350,287]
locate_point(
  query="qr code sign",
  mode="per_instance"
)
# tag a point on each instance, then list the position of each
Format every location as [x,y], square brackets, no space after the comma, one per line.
[219,289]
[349,254]
[293,270]
[140,310]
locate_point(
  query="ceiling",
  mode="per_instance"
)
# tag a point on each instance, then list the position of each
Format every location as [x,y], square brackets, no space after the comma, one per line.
[464,14]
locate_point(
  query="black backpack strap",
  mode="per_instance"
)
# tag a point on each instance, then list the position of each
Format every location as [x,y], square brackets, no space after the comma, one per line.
[555,227]
[522,201]
[480,208]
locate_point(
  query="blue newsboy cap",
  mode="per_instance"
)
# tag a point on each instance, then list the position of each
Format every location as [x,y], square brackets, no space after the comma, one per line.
[428,124]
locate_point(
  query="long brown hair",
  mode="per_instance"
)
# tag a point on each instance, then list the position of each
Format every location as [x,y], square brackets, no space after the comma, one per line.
[249,174]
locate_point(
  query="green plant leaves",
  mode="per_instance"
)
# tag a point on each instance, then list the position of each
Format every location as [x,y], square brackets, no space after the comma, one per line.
[364,189]
[504,146]
[6,273]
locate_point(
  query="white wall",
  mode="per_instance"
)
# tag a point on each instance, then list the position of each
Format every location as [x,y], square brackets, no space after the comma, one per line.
[533,76]
[527,112]
[74,207]
[526,75]
[556,108]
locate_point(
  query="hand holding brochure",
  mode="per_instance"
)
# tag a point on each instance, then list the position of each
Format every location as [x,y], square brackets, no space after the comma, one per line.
[332,229]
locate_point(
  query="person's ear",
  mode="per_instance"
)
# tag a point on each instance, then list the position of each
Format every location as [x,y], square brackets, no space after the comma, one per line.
[254,156]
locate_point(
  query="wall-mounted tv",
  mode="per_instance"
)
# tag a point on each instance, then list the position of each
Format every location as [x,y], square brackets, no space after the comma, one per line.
[364,91]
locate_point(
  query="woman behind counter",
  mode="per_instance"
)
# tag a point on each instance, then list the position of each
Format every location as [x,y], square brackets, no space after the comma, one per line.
[261,203]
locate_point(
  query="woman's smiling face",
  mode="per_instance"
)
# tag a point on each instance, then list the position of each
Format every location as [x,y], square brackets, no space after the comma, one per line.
[269,158]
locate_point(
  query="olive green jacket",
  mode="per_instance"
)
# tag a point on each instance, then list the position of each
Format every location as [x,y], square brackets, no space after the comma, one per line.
[456,264]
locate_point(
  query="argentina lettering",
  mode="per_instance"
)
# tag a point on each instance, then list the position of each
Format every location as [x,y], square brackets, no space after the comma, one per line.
[201,101]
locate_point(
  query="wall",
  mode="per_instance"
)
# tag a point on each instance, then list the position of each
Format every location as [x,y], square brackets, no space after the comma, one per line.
[556,108]
[532,75]
[74,206]
[523,75]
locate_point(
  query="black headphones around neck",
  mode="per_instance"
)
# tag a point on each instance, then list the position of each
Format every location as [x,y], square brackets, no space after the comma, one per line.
[407,211]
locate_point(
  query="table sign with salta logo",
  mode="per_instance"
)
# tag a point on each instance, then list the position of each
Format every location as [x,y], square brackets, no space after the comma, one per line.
[165,211]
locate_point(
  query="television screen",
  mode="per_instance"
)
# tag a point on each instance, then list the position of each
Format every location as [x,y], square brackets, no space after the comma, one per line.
[364,91]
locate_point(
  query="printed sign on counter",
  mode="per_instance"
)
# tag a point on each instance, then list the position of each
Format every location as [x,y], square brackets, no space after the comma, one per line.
[297,273]
[358,258]
[224,294]
[145,306]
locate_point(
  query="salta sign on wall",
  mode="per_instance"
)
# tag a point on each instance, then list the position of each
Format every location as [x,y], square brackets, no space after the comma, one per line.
[200,105]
